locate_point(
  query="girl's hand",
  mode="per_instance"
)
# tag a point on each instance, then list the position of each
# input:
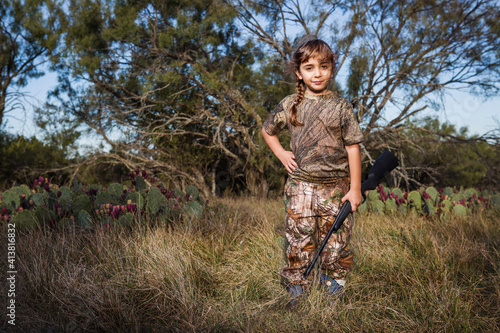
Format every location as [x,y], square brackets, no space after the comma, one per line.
[287,158]
[355,198]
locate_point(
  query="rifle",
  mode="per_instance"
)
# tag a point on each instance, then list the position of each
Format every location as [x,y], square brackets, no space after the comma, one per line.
[383,165]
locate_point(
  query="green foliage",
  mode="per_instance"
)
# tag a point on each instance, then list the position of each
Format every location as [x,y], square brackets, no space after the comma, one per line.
[156,201]
[377,206]
[26,157]
[125,220]
[44,214]
[25,219]
[81,202]
[193,192]
[390,206]
[194,208]
[116,191]
[10,200]
[460,210]
[84,219]
[40,199]
[136,198]
[415,201]
[140,184]
[103,198]
[20,190]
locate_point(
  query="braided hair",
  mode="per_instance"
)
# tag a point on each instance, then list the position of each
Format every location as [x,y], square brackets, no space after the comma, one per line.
[309,49]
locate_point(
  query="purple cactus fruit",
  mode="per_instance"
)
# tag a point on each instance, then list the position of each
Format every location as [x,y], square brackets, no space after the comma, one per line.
[36,182]
[177,197]
[123,208]
[152,180]
[136,171]
[134,208]
[187,196]
[144,174]
[113,214]
[129,207]
[40,180]
[4,211]
[46,187]
[131,175]
[206,202]
[59,193]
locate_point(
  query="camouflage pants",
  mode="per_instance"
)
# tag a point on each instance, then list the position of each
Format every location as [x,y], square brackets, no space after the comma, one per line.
[310,212]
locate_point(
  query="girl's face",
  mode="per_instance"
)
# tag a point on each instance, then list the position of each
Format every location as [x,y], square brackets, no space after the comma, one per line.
[316,74]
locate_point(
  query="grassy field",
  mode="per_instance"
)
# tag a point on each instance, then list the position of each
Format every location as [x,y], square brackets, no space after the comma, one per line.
[220,273]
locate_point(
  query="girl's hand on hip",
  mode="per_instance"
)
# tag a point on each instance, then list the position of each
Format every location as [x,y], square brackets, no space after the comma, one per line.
[287,158]
[355,198]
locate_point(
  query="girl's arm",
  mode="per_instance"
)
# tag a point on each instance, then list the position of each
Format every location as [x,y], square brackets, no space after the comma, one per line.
[287,158]
[354,195]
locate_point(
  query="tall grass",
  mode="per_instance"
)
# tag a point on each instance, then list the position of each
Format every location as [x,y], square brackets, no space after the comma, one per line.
[220,273]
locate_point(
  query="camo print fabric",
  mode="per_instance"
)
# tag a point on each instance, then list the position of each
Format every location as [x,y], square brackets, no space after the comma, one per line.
[319,145]
[310,212]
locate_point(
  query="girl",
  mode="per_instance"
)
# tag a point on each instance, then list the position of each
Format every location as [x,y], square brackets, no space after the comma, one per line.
[324,158]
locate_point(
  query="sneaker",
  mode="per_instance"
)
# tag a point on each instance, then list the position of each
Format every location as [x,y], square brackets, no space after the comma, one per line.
[333,288]
[296,291]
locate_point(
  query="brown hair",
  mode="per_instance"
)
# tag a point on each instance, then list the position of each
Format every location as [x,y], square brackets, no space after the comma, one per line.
[309,49]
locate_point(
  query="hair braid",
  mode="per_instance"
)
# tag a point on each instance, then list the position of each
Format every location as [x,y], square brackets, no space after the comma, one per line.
[299,87]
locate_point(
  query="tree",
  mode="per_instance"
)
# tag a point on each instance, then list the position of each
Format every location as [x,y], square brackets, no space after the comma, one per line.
[29,32]
[399,57]
[169,85]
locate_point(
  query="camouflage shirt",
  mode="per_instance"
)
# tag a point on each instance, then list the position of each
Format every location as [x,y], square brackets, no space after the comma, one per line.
[319,145]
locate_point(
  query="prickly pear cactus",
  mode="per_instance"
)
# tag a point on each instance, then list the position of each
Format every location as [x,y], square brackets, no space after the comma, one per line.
[445,205]
[25,219]
[140,184]
[84,219]
[125,220]
[40,199]
[495,201]
[156,201]
[415,201]
[433,193]
[136,198]
[102,198]
[64,199]
[390,206]
[397,192]
[194,208]
[403,209]
[429,208]
[377,206]
[458,197]
[44,215]
[20,190]
[115,190]
[460,210]
[10,200]
[470,192]
[193,192]
[363,208]
[373,195]
[81,202]
[448,191]
[179,193]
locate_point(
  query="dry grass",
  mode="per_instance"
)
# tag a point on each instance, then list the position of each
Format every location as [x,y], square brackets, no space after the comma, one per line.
[220,273]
